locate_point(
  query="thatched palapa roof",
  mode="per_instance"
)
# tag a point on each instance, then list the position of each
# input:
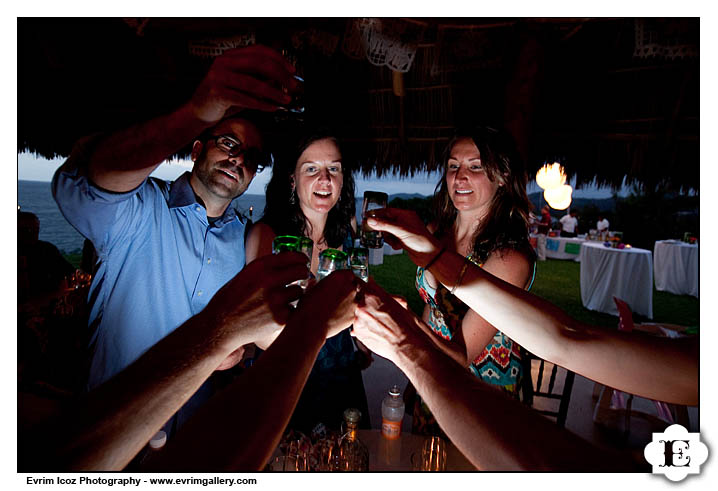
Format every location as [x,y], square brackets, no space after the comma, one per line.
[606,97]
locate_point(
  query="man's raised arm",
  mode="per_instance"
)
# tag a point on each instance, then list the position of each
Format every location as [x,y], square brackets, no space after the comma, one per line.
[242,78]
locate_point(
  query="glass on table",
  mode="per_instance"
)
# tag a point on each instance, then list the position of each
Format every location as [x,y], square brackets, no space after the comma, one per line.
[359,262]
[373,200]
[331,260]
[288,463]
[433,454]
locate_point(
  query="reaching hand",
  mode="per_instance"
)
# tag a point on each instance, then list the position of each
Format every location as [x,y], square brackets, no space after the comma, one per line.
[255,304]
[406,228]
[244,78]
[385,326]
[331,302]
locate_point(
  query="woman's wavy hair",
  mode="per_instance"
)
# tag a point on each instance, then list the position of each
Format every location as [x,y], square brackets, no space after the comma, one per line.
[506,225]
[285,216]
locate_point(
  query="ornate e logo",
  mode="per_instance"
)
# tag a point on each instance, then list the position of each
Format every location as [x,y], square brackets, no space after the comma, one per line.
[676,453]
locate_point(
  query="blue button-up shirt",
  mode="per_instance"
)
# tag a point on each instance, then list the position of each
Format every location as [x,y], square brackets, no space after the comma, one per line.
[160,261]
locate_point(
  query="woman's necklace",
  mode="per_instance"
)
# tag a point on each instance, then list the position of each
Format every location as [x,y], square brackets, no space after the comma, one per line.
[321,244]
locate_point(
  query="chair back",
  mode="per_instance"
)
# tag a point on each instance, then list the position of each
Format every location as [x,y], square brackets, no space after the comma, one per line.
[621,400]
[546,387]
[625,315]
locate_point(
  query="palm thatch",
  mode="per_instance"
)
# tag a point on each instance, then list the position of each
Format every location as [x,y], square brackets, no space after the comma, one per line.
[609,98]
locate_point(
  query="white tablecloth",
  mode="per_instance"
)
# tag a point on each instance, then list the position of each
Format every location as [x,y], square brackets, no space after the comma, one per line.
[623,273]
[675,266]
[563,248]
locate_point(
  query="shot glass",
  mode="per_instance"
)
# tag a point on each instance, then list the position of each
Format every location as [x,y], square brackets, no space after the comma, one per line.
[306,247]
[288,463]
[373,200]
[331,260]
[359,262]
[296,107]
[283,243]
[292,243]
[432,456]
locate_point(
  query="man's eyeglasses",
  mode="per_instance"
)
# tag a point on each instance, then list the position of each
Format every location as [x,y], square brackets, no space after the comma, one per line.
[254,158]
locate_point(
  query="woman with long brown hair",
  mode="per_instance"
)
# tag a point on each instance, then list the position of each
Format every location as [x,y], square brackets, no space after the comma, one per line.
[311,193]
[482,214]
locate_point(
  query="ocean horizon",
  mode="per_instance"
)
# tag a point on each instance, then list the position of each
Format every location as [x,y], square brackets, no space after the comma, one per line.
[36,197]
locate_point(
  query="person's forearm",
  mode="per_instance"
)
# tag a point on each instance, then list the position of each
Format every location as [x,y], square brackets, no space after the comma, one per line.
[118,418]
[455,350]
[628,361]
[239,428]
[124,159]
[494,431]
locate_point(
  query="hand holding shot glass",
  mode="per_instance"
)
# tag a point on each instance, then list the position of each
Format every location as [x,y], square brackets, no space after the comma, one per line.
[292,243]
[296,106]
[373,200]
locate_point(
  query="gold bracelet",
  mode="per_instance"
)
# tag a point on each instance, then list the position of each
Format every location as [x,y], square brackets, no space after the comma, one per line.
[461,276]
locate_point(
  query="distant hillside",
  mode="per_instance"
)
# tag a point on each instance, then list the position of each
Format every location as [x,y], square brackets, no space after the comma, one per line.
[406,196]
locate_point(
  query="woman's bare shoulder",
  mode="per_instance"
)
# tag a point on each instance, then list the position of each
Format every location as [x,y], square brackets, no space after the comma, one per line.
[510,265]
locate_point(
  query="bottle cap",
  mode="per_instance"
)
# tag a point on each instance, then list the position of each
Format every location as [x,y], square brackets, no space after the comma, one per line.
[352,415]
[395,391]
[159,440]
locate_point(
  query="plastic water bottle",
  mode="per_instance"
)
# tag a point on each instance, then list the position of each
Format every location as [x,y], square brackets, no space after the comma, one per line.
[392,412]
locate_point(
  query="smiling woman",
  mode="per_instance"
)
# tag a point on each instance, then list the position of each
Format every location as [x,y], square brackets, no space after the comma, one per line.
[311,194]
[482,213]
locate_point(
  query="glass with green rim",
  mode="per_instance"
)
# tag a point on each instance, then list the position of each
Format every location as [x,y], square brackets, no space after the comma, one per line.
[283,243]
[292,243]
[331,260]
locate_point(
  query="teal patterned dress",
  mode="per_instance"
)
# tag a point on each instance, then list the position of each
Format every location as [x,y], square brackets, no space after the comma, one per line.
[498,364]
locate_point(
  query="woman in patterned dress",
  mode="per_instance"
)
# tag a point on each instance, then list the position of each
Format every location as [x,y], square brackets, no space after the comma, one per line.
[483,214]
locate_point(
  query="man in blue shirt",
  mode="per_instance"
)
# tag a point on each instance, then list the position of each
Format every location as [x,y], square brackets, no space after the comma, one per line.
[166,248]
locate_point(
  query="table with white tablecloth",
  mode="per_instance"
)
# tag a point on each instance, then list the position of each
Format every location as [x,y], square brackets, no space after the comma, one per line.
[563,248]
[623,273]
[675,267]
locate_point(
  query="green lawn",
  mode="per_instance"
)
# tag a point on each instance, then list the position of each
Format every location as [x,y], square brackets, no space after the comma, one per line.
[557,281]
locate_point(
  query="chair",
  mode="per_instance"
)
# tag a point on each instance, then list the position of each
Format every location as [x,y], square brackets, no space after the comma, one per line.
[538,393]
[612,401]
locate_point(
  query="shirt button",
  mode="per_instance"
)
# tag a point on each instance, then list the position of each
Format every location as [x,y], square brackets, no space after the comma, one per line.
[209,260]
[199,293]
[197,208]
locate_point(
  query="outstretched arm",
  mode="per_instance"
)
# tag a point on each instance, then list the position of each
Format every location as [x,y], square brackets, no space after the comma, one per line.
[656,368]
[242,78]
[107,429]
[494,431]
[239,428]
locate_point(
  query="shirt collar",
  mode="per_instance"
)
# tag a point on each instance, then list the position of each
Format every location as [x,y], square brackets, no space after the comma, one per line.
[182,194]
